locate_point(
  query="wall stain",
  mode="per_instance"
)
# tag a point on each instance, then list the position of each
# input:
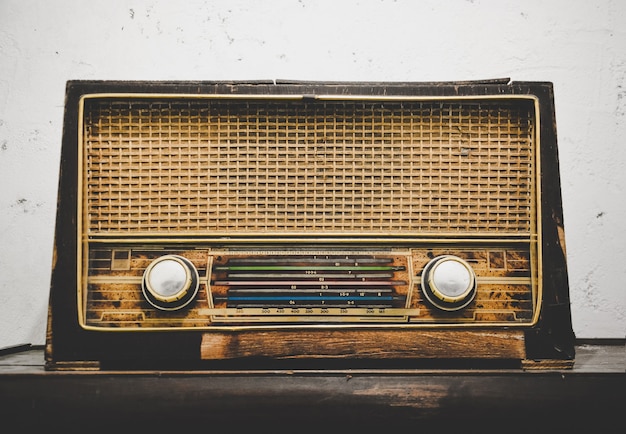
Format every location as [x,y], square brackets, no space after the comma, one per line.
[26,206]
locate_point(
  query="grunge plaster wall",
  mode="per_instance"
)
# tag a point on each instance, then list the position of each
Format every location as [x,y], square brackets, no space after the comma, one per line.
[579,45]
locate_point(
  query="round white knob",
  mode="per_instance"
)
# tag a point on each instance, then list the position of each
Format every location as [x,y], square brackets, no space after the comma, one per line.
[170,282]
[449,282]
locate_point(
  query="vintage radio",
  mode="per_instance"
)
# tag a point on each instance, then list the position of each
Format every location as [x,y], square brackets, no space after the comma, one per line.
[309,224]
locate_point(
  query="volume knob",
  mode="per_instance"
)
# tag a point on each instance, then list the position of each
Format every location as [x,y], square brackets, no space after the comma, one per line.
[170,282]
[449,283]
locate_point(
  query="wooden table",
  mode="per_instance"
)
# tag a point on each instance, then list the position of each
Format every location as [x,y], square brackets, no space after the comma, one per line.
[592,394]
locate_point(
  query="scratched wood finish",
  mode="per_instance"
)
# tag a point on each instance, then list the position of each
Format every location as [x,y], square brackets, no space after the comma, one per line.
[487,401]
[372,344]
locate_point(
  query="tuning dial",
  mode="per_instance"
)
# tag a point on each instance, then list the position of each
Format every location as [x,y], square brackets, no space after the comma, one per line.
[170,282]
[449,283]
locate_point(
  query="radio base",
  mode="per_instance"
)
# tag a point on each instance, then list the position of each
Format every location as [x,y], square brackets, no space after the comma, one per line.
[368,344]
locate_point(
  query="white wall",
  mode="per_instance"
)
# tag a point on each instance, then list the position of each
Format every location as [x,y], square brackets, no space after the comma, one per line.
[579,45]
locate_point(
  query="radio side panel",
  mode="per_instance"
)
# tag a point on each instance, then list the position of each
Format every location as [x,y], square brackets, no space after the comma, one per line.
[554,338]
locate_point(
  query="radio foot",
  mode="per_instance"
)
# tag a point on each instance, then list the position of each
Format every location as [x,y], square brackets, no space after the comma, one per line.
[73,366]
[546,364]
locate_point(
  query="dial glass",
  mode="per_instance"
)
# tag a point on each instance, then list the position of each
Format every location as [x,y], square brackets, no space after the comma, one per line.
[167,278]
[451,278]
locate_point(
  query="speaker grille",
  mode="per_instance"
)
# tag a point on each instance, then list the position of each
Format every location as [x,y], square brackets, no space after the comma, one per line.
[274,166]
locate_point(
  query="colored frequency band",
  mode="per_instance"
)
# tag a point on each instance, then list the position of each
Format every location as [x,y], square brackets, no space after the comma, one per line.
[321,282]
[308,268]
[307,298]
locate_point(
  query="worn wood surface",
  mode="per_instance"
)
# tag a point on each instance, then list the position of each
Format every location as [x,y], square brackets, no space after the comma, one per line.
[377,344]
[368,400]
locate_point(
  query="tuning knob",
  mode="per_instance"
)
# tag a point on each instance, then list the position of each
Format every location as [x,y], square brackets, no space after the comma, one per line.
[170,282]
[449,283]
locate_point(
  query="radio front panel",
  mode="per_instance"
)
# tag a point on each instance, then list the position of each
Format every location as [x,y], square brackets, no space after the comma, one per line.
[363,171]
